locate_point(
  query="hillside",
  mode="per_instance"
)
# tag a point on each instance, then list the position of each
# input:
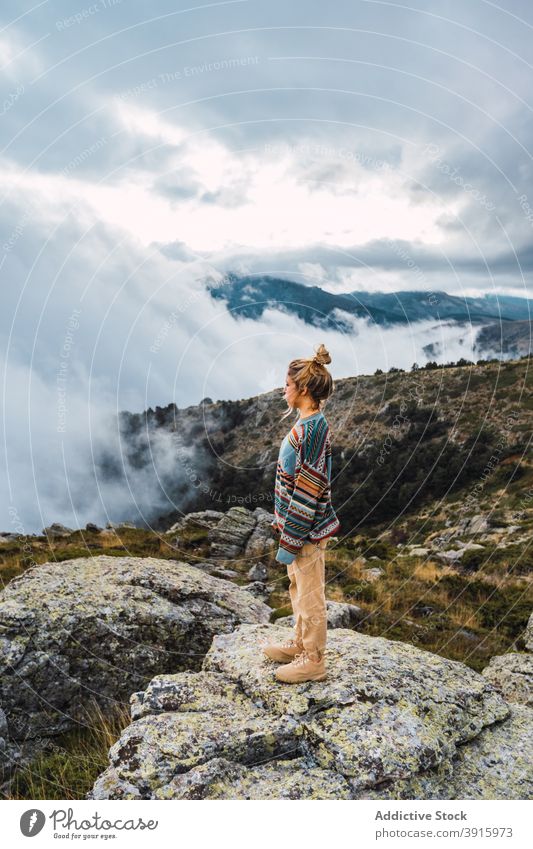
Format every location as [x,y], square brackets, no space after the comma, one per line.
[400,440]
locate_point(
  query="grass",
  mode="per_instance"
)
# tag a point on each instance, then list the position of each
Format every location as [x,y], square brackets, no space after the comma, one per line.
[429,601]
[468,617]
[27,551]
[74,759]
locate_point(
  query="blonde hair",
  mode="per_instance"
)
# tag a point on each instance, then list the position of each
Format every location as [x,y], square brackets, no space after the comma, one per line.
[311,374]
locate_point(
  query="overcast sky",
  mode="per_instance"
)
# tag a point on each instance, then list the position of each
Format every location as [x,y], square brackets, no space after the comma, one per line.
[146,147]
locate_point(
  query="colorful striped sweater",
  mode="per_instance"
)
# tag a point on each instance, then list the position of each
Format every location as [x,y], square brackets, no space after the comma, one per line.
[302,495]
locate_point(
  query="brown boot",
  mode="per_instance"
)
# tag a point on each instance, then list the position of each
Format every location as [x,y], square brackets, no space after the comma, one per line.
[283,652]
[302,668]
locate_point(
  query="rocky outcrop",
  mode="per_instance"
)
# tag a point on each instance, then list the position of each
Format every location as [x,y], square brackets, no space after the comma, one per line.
[454,555]
[390,721]
[512,673]
[200,519]
[231,534]
[261,543]
[339,615]
[99,628]
[238,533]
[57,530]
[447,546]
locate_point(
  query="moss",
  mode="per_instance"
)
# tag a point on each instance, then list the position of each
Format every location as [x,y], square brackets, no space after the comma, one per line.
[281,611]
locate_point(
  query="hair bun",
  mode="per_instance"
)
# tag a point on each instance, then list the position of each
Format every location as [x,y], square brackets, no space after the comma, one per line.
[322,355]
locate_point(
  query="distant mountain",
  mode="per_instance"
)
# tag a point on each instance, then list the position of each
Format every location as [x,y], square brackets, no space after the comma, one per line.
[508,338]
[249,296]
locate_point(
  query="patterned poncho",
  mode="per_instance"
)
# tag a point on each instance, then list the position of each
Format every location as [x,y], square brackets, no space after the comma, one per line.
[302,492]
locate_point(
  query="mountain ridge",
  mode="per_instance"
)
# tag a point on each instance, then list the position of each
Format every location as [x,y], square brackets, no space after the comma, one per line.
[250,295]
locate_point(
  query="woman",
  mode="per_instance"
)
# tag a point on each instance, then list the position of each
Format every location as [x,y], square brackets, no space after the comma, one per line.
[304,518]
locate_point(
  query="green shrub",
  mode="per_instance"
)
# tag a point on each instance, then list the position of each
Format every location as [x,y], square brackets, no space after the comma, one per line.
[469,591]
[280,612]
[379,548]
[471,561]
[507,610]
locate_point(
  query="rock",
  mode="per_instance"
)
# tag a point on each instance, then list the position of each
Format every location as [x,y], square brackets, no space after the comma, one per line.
[476,525]
[423,609]
[229,537]
[512,675]
[258,572]
[340,615]
[213,568]
[455,555]
[373,574]
[419,552]
[528,637]
[494,765]
[58,530]
[261,542]
[467,635]
[12,754]
[90,526]
[451,556]
[117,525]
[390,718]
[201,519]
[258,589]
[100,628]
[219,572]
[443,539]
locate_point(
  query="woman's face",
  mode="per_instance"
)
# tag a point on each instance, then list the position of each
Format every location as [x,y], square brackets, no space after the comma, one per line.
[291,394]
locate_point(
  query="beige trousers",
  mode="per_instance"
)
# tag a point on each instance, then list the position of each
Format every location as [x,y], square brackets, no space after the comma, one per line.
[307,593]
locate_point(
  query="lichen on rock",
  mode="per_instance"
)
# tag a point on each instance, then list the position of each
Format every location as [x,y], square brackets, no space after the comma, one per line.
[390,721]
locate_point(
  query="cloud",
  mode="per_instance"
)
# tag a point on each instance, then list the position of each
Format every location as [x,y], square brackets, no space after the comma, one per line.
[144,152]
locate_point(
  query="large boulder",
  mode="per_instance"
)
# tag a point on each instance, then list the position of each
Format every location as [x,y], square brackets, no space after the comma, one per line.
[261,541]
[200,519]
[57,530]
[512,675]
[99,628]
[229,537]
[389,719]
[238,533]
